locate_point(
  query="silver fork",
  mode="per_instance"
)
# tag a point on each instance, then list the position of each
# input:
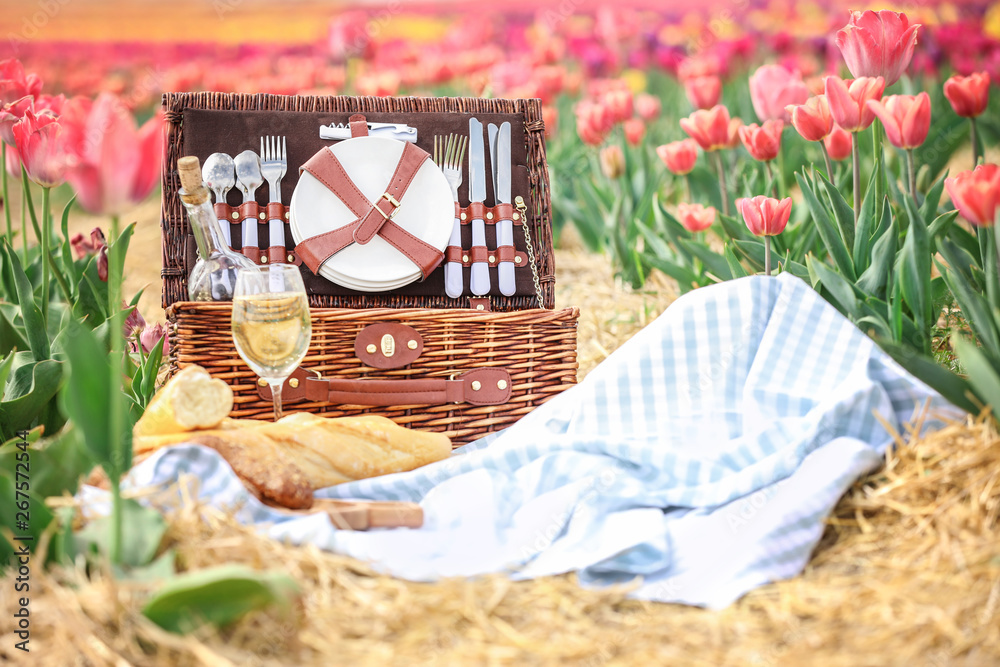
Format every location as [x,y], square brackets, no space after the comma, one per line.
[274,163]
[448,154]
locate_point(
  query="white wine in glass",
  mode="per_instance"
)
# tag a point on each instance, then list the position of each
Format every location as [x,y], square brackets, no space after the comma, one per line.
[271,323]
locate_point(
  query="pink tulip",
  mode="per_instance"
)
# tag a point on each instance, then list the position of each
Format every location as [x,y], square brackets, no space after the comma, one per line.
[906,118]
[619,104]
[703,92]
[150,336]
[117,164]
[14,84]
[10,114]
[679,156]
[878,44]
[968,95]
[772,88]
[839,143]
[41,142]
[812,120]
[134,322]
[712,128]
[762,142]
[634,130]
[695,217]
[976,193]
[647,106]
[593,122]
[550,116]
[849,105]
[765,216]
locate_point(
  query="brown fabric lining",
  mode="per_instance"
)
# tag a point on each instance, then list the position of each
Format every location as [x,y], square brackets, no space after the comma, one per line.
[207,131]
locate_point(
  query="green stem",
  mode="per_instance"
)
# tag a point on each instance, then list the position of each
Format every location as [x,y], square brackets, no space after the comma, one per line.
[780,183]
[770,179]
[826,160]
[911,175]
[6,195]
[721,169]
[856,153]
[45,254]
[767,255]
[687,186]
[975,143]
[24,227]
[116,414]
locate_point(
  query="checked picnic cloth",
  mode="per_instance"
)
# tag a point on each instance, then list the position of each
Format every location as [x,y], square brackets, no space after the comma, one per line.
[700,458]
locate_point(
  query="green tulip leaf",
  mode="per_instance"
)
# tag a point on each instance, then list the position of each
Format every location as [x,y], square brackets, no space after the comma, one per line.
[914,269]
[982,374]
[34,507]
[218,596]
[143,526]
[868,225]
[34,326]
[954,388]
[735,268]
[29,391]
[841,290]
[828,231]
[842,211]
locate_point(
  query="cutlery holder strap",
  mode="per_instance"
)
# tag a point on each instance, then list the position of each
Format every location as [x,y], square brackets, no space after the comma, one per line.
[480,386]
[504,253]
[488,214]
[373,218]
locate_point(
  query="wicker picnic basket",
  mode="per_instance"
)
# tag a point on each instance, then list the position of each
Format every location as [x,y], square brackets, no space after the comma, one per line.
[465,366]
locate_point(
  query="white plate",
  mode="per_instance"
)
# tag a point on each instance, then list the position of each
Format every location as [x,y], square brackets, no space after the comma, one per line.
[427,212]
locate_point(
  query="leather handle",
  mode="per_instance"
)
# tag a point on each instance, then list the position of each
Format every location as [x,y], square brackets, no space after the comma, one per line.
[480,386]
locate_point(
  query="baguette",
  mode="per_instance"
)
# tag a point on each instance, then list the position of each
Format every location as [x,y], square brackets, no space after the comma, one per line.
[191,400]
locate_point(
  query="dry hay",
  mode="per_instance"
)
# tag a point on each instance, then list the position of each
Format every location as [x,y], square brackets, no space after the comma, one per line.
[907,573]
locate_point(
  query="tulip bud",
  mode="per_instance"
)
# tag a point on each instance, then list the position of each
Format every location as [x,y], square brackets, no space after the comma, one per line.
[839,143]
[849,103]
[612,161]
[878,44]
[634,131]
[765,216]
[763,143]
[679,156]
[976,194]
[968,95]
[695,217]
[906,118]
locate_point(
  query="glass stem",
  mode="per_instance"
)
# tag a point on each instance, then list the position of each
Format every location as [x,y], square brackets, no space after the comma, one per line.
[767,255]
[856,153]
[276,397]
[826,160]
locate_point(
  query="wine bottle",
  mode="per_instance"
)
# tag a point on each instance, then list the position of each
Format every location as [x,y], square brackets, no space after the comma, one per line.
[213,276]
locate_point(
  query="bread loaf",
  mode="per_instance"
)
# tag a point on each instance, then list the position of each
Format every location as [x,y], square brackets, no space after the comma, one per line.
[192,399]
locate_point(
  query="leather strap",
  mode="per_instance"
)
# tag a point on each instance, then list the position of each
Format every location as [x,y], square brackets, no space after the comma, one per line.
[503,212]
[506,253]
[223,211]
[480,386]
[373,218]
[453,253]
[277,254]
[476,210]
[250,209]
[479,253]
[276,211]
[253,253]
[359,125]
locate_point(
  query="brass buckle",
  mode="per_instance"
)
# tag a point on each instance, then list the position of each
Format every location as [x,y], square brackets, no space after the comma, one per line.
[395,206]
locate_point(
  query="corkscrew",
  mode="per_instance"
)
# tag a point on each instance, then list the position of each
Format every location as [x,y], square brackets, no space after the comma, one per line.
[401,131]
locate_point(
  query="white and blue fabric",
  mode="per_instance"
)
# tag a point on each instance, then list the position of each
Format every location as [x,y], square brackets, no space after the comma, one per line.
[700,459]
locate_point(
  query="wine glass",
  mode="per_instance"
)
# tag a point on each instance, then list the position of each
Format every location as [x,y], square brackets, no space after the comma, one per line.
[271,323]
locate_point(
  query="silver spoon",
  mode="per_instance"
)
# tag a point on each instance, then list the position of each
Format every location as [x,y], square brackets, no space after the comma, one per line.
[248,178]
[219,174]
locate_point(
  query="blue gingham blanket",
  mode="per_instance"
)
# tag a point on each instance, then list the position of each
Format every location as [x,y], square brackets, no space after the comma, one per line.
[697,462]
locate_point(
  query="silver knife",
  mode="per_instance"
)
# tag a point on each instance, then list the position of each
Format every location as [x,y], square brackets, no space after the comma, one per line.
[500,157]
[479,280]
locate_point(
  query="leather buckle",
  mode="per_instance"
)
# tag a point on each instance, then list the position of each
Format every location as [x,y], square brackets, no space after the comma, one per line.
[395,206]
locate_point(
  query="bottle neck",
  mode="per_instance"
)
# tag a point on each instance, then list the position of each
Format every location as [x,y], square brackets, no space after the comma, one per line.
[204,226]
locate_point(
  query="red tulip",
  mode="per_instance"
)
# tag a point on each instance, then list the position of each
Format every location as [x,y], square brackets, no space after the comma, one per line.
[41,143]
[849,105]
[968,95]
[647,106]
[762,142]
[10,114]
[839,143]
[976,193]
[593,122]
[712,128]
[906,118]
[703,92]
[772,88]
[634,130]
[695,217]
[765,216]
[679,156]
[619,104]
[117,164]
[83,248]
[14,84]
[877,44]
[612,161]
[812,120]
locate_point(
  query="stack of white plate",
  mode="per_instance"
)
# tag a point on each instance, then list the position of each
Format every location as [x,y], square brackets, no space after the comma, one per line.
[427,212]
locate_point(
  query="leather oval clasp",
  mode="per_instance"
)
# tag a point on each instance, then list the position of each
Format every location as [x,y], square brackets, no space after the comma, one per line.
[388,345]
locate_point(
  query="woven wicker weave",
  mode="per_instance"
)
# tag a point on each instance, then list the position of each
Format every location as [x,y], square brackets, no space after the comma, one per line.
[536,346]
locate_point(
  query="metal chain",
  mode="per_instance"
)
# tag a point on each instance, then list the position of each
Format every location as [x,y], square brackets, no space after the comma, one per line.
[519,201]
